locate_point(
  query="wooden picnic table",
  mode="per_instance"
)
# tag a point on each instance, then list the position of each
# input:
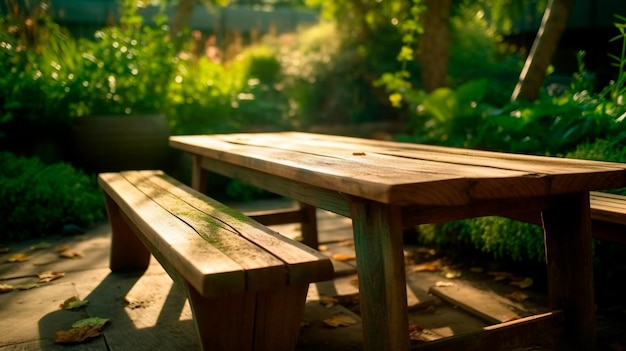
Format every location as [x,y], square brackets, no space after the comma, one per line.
[386,186]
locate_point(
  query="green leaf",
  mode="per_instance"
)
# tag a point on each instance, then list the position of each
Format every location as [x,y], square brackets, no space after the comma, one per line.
[93,321]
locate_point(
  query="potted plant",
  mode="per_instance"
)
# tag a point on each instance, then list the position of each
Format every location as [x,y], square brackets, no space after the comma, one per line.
[122,88]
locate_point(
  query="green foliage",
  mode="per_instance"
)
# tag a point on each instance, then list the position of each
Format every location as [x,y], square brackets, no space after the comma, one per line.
[208,97]
[449,117]
[37,66]
[199,98]
[127,69]
[38,199]
[497,236]
[258,99]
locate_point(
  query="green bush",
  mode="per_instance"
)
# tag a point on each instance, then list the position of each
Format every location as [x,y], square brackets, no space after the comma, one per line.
[505,238]
[38,199]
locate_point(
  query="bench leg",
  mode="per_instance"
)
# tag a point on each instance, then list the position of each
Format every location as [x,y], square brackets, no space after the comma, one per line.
[267,320]
[127,251]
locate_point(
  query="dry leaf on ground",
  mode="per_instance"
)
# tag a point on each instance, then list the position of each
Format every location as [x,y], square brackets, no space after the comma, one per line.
[77,335]
[6,288]
[522,284]
[444,284]
[340,320]
[517,296]
[48,276]
[426,267]
[328,301]
[451,274]
[73,303]
[17,257]
[67,251]
[343,257]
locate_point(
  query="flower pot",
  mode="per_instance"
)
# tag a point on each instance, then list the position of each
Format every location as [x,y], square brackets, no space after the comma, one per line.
[115,143]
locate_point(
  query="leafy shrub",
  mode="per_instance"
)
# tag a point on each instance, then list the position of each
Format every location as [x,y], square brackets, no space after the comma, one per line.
[127,68]
[38,63]
[39,198]
[199,98]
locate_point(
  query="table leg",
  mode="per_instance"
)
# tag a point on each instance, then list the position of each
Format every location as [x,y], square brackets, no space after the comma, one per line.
[568,243]
[382,280]
[309,225]
[198,174]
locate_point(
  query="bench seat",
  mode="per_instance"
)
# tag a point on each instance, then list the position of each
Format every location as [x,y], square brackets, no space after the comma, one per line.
[246,284]
[608,216]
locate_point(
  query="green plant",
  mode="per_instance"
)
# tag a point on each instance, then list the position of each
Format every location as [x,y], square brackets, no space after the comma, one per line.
[38,62]
[38,199]
[127,68]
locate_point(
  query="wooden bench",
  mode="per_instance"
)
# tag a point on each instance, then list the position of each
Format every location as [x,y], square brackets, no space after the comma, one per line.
[608,216]
[246,284]
[607,212]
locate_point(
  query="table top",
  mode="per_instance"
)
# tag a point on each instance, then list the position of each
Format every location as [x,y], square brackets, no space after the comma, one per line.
[403,173]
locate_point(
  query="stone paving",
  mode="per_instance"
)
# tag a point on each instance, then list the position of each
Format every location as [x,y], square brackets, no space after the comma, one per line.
[147,312]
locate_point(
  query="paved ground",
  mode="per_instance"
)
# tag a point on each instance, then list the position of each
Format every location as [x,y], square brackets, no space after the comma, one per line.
[147,312]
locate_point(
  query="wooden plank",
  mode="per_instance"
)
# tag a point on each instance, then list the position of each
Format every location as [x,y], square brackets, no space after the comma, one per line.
[608,207]
[262,269]
[175,239]
[406,174]
[304,264]
[530,333]
[333,201]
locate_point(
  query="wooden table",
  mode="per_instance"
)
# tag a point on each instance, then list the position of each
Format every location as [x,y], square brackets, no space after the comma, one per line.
[386,186]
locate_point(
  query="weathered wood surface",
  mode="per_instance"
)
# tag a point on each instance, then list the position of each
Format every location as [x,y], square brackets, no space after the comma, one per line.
[401,173]
[384,186]
[246,284]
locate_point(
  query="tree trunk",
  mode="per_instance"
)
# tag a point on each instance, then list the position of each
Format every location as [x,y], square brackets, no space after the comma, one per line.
[434,44]
[546,42]
[182,16]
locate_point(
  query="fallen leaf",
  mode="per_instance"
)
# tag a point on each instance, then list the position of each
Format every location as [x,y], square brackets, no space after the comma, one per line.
[328,301]
[426,267]
[517,296]
[358,153]
[451,274]
[6,288]
[340,320]
[93,321]
[48,276]
[73,303]
[343,257]
[523,284]
[42,245]
[77,335]
[444,284]
[17,257]
[322,248]
[67,251]
[354,281]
